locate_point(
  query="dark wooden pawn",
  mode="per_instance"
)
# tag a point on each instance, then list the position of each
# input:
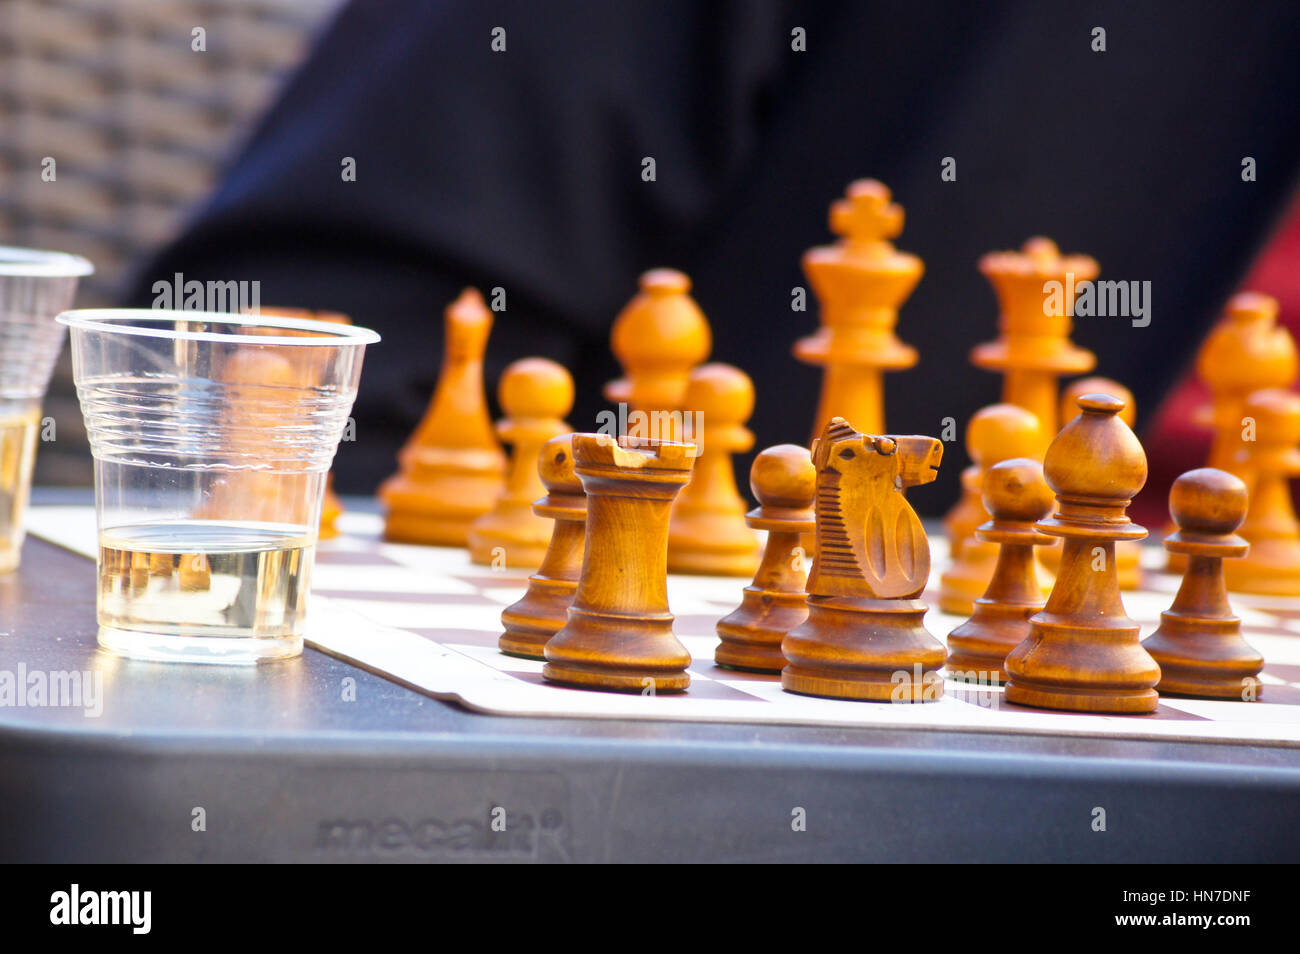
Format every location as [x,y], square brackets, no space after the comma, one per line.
[544,609]
[784,481]
[1199,645]
[1083,652]
[1016,495]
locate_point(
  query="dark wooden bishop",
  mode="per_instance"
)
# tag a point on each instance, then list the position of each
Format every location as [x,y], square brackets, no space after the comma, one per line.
[784,481]
[619,633]
[1199,645]
[1016,495]
[864,637]
[544,608]
[1083,652]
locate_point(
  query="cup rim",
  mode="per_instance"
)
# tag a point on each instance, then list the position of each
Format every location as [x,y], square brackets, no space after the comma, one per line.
[41,263]
[115,321]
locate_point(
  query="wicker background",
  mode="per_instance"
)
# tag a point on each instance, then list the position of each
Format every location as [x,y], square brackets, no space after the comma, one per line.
[138,124]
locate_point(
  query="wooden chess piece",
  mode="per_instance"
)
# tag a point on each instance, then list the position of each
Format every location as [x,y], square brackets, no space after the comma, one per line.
[658,338]
[1246,352]
[1199,645]
[995,433]
[619,634]
[1017,496]
[864,637]
[707,533]
[331,506]
[1082,652]
[860,282]
[544,608]
[1271,461]
[535,395]
[784,482]
[1128,553]
[452,469]
[1033,347]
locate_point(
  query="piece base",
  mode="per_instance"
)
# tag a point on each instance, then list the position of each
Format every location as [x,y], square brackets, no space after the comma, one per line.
[1245,689]
[486,552]
[980,668]
[1125,701]
[862,686]
[749,658]
[630,680]
[522,645]
[427,531]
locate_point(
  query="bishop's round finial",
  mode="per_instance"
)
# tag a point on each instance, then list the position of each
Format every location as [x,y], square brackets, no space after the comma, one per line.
[1077,389]
[555,466]
[1208,502]
[536,387]
[468,324]
[665,281]
[1001,431]
[1096,456]
[1015,491]
[784,477]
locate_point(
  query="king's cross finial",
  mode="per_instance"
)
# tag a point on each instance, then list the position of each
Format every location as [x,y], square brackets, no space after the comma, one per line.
[866,215]
[1042,253]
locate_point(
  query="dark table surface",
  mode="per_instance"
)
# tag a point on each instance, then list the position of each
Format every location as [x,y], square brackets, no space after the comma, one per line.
[276,763]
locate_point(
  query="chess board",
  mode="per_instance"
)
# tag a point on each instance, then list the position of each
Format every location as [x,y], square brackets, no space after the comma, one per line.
[428,618]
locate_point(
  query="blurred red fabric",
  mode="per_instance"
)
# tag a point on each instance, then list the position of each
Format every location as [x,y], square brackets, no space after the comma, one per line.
[1174,442]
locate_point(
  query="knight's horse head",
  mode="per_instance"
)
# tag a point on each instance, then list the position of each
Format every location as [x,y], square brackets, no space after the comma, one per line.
[870,541]
[918,458]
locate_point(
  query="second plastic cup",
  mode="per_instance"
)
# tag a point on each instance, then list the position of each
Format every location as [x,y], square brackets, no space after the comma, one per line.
[34,287]
[212,435]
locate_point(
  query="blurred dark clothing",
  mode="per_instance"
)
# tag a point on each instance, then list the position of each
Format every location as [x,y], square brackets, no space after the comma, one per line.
[522,169]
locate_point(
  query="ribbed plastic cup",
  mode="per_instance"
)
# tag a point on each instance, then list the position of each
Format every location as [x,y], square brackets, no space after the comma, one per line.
[34,287]
[212,435]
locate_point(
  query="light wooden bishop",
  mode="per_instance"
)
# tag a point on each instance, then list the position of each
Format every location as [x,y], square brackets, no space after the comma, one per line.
[452,469]
[658,337]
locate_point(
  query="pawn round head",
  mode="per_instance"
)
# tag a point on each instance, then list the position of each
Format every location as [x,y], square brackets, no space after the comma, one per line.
[1208,502]
[555,466]
[1015,490]
[1077,389]
[536,387]
[784,476]
[1000,431]
[1096,456]
[722,393]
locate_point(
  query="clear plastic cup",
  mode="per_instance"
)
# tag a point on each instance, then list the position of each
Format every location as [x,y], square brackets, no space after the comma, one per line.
[212,435]
[34,287]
